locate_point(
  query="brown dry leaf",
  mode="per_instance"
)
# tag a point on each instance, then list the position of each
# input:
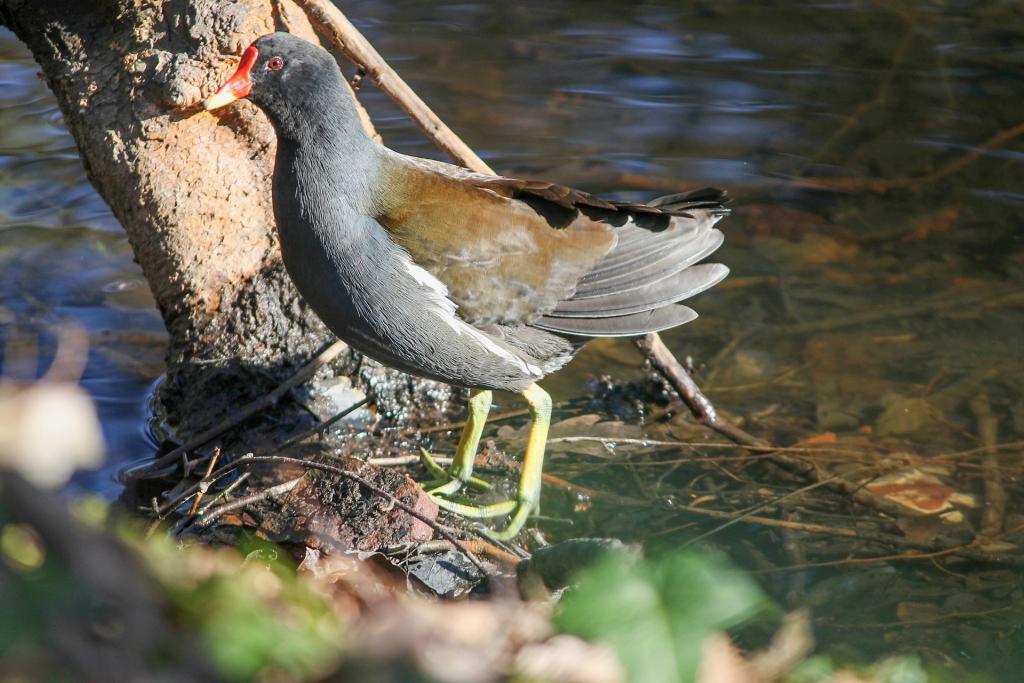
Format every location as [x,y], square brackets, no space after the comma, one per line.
[914,489]
[825,438]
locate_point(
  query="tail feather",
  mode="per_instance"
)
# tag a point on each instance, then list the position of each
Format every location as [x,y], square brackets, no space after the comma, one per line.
[631,325]
[642,245]
[680,286]
[665,261]
[636,288]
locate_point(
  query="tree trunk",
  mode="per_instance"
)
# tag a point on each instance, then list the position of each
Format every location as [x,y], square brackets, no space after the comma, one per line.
[191,188]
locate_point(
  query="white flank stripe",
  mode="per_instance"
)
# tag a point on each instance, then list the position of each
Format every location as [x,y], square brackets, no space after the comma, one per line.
[445,308]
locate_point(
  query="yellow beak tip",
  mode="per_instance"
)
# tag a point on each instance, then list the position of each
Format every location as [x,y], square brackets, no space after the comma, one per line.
[218,100]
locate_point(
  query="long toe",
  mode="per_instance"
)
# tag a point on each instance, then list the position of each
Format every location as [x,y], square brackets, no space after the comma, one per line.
[445,489]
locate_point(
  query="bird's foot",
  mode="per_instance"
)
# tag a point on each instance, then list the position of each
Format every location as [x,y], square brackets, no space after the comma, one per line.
[519,509]
[447,482]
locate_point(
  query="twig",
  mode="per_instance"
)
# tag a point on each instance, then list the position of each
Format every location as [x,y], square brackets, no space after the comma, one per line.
[478,545]
[322,426]
[208,480]
[214,514]
[203,488]
[405,460]
[672,370]
[757,508]
[221,495]
[971,551]
[459,425]
[266,401]
[347,38]
[994,511]
[900,557]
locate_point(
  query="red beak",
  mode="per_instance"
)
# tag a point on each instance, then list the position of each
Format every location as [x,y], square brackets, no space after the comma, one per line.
[236,87]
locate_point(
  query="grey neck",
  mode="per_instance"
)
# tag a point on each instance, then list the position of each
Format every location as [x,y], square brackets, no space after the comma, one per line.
[321,137]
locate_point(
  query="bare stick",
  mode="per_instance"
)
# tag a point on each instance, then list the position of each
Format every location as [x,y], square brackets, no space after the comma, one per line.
[672,370]
[203,485]
[757,508]
[994,512]
[247,411]
[214,514]
[323,426]
[347,38]
[202,489]
[405,460]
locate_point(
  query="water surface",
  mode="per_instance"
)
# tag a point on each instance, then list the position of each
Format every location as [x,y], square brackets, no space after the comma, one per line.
[875,160]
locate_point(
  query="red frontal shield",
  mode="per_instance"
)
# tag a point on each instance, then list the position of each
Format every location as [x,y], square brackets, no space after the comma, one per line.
[238,85]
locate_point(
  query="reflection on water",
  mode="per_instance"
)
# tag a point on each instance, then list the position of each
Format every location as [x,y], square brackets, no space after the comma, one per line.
[64,256]
[874,155]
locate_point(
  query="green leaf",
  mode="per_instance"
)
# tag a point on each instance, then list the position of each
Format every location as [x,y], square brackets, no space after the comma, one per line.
[658,614]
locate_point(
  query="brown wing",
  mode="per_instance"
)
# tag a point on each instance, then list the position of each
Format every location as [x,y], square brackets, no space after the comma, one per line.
[503,259]
[516,250]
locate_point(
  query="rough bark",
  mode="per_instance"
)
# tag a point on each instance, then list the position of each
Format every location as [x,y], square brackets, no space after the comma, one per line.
[191,188]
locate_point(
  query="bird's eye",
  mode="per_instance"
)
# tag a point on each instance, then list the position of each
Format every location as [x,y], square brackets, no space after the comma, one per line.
[275,63]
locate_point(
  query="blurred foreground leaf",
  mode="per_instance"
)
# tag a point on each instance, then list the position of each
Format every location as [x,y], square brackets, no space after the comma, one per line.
[657,614]
[255,615]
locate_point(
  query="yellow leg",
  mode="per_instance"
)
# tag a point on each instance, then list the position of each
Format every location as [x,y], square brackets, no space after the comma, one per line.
[528,493]
[461,471]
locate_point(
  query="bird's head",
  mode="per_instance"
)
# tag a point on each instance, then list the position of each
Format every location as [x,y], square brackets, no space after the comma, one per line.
[286,77]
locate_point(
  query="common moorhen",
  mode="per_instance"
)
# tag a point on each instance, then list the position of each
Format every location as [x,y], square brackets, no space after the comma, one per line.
[479,281]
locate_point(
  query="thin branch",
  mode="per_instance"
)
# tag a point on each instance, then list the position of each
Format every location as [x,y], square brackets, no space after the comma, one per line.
[881,185]
[994,511]
[211,516]
[323,426]
[757,508]
[655,351]
[203,488]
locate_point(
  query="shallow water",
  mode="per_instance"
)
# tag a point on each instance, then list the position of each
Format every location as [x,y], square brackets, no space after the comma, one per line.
[875,160]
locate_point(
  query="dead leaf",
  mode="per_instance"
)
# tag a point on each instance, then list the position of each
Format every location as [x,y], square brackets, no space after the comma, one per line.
[913,489]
